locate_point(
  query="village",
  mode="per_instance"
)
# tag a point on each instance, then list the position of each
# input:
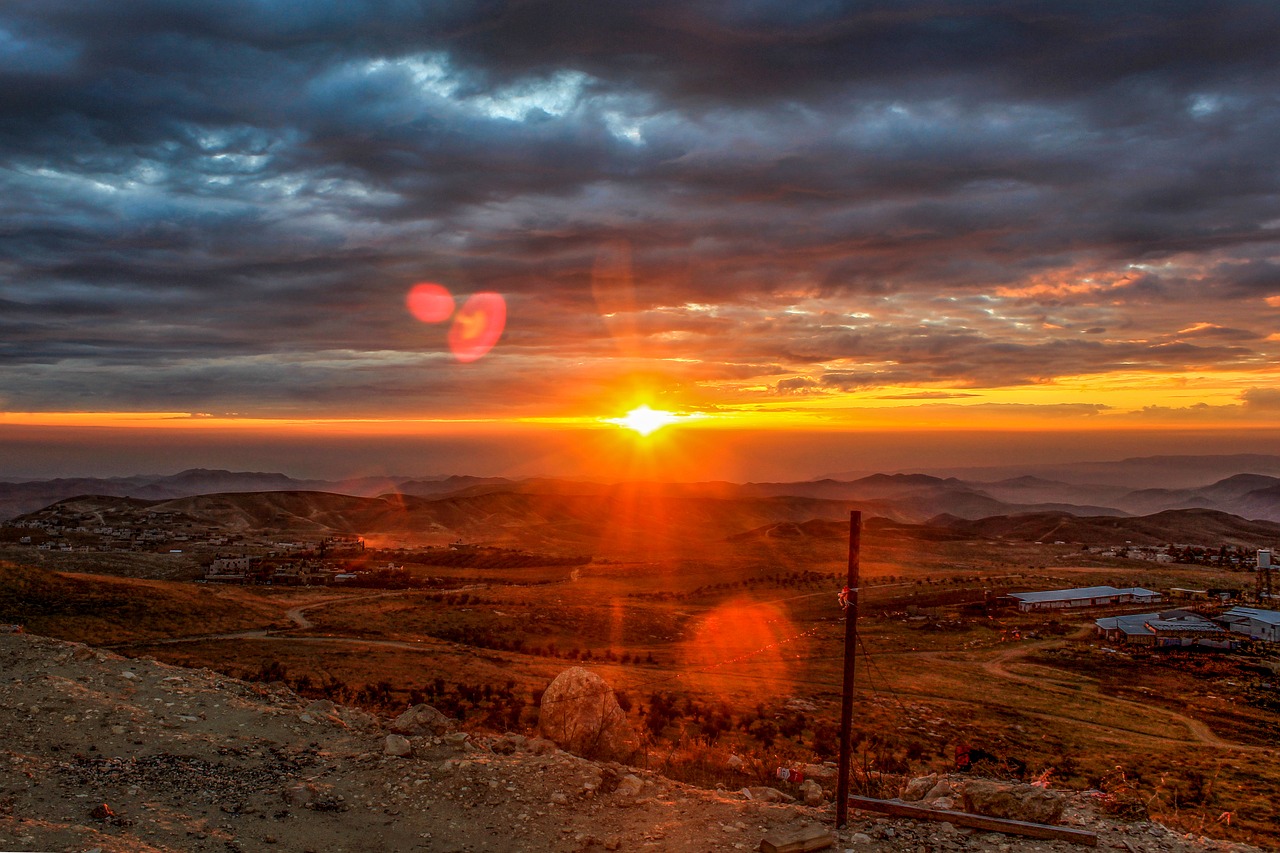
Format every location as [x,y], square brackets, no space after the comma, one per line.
[1201,618]
[1201,623]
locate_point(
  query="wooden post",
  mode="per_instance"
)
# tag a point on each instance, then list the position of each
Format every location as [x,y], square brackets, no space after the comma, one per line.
[897,808]
[850,658]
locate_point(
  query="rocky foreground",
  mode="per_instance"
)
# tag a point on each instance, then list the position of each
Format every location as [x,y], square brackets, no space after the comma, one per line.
[104,753]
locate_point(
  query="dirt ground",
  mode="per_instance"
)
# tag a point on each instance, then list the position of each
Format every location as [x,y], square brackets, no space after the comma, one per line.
[103,753]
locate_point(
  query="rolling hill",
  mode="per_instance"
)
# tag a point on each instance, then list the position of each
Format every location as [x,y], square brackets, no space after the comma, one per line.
[1199,526]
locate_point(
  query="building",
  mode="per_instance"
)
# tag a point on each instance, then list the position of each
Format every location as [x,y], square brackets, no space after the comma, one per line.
[229,569]
[1169,628]
[1256,624]
[1090,596]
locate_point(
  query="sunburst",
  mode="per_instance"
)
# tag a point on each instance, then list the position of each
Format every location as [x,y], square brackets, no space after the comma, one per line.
[645,420]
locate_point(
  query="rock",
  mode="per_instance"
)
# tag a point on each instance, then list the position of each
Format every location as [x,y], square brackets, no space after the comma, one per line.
[819,771]
[102,812]
[509,743]
[559,799]
[941,789]
[457,740]
[354,718]
[397,745]
[945,803]
[630,786]
[797,838]
[579,712]
[811,792]
[768,795]
[299,795]
[917,788]
[421,720]
[321,707]
[734,762]
[860,838]
[541,746]
[1013,801]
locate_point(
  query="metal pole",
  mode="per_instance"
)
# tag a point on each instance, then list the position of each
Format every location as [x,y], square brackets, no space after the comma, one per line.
[850,658]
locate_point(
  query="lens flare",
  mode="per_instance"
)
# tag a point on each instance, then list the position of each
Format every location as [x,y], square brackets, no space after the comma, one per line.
[429,303]
[477,326]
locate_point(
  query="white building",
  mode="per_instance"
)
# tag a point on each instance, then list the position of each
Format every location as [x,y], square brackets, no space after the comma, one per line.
[1257,624]
[1170,628]
[1089,596]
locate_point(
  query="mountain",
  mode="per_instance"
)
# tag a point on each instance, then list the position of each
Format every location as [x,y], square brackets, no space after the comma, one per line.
[1195,526]
[19,498]
[1088,489]
[632,521]
[1248,495]
[822,530]
[449,485]
[1146,472]
[1028,489]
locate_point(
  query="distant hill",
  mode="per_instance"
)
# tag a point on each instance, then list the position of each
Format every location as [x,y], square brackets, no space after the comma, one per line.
[1249,495]
[1117,489]
[1146,472]
[19,498]
[1200,526]
[620,521]
[645,518]
[820,529]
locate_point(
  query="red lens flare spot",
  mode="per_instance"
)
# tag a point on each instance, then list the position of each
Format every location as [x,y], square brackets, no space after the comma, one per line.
[477,326]
[430,303]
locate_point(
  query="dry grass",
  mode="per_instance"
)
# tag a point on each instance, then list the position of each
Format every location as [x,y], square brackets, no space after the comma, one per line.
[739,629]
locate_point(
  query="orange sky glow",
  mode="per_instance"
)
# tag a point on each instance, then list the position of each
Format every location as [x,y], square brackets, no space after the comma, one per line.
[837,228]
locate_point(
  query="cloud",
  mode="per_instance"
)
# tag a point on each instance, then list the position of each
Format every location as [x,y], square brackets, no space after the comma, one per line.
[798,385]
[204,205]
[927,395]
[1261,399]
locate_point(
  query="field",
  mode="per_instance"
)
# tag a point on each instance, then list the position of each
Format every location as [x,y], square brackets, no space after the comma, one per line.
[736,647]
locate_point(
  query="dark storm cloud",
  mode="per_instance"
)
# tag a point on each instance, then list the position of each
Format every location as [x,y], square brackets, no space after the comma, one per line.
[234,197]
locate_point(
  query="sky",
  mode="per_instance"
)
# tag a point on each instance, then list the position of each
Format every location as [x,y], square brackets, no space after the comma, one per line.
[832,224]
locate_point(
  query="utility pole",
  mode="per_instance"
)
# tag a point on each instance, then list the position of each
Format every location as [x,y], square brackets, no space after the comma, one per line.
[849,600]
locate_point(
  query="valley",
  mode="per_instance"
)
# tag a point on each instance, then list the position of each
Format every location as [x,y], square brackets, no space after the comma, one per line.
[711,609]
[731,645]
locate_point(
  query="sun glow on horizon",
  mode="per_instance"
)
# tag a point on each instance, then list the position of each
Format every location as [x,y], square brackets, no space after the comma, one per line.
[645,420]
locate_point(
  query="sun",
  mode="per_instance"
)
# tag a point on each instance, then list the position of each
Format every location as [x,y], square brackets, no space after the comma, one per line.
[645,420]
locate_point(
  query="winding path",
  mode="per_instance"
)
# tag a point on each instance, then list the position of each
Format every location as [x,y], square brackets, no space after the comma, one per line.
[998,667]
[296,615]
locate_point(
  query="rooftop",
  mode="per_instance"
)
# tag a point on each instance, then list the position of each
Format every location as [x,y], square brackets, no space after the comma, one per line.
[1271,617]
[1082,592]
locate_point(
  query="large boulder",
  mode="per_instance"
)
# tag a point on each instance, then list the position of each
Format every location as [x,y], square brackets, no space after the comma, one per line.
[1013,801]
[421,720]
[580,714]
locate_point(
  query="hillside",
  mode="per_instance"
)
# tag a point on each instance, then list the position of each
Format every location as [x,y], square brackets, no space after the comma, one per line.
[1142,472]
[104,609]
[112,754]
[1130,487]
[22,497]
[1163,528]
[621,520]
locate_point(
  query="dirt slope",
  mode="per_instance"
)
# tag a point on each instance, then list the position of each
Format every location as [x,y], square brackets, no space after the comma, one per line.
[189,760]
